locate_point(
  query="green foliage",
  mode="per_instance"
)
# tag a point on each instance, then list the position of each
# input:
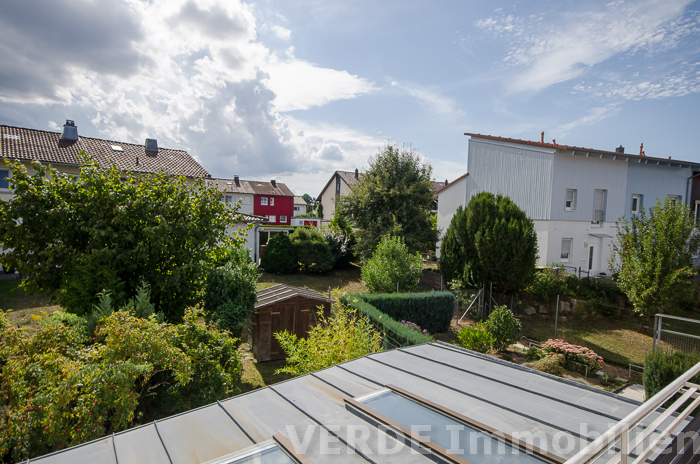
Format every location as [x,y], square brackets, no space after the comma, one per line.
[663,367]
[308,198]
[99,232]
[551,364]
[310,211]
[476,338]
[534,354]
[231,294]
[504,327]
[491,240]
[319,211]
[390,265]
[280,255]
[430,310]
[346,335]
[395,333]
[58,388]
[312,250]
[653,256]
[341,241]
[99,311]
[393,197]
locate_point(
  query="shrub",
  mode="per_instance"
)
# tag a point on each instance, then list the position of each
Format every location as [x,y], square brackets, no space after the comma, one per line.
[534,354]
[476,338]
[663,367]
[280,256]
[390,265]
[430,310]
[341,241]
[575,354]
[395,333]
[230,294]
[414,327]
[346,335]
[551,364]
[312,251]
[504,327]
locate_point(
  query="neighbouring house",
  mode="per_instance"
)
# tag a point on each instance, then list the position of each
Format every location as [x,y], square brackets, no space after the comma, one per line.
[274,201]
[340,184]
[235,192]
[299,206]
[279,308]
[306,221]
[415,405]
[574,195]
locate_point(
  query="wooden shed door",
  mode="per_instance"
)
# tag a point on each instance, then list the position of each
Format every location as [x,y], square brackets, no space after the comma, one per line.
[302,321]
[282,319]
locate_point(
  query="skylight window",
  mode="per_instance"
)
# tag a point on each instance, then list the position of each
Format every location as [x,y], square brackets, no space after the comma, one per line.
[446,433]
[11,136]
[117,148]
[279,450]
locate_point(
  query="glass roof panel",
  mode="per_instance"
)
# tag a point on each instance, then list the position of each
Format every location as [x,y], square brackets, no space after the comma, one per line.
[268,454]
[474,445]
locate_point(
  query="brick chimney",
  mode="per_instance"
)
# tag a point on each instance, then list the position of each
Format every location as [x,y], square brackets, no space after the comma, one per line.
[357,174]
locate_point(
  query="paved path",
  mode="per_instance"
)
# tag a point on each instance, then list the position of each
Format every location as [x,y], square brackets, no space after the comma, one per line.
[636,392]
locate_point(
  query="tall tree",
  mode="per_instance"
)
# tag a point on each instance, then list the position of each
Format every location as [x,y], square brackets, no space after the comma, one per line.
[653,256]
[491,240]
[79,237]
[308,198]
[392,198]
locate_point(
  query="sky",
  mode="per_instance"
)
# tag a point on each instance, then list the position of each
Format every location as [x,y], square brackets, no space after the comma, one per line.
[294,90]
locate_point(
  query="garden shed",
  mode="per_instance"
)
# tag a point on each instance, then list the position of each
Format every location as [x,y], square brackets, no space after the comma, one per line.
[280,308]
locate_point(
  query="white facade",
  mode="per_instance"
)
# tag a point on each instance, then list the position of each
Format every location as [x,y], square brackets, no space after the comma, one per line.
[306,221]
[246,201]
[574,195]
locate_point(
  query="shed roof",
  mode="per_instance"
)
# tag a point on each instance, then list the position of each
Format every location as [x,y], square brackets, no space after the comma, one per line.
[281,292]
[499,394]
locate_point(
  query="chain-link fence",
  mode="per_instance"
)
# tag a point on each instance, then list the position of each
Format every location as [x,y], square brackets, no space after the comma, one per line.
[667,334]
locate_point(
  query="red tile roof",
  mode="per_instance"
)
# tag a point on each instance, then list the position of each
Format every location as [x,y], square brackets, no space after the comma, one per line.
[48,147]
[449,184]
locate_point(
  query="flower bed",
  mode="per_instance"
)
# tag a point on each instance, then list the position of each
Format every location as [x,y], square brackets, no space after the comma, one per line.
[575,355]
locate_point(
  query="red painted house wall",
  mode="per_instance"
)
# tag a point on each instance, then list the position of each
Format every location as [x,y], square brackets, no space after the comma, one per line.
[284,206]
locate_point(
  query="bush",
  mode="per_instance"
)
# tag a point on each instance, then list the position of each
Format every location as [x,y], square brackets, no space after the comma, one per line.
[312,251]
[346,335]
[280,256]
[575,354]
[663,367]
[341,241]
[534,354]
[415,327]
[504,327]
[551,364]
[430,310]
[230,295]
[395,333]
[390,265]
[58,388]
[476,338]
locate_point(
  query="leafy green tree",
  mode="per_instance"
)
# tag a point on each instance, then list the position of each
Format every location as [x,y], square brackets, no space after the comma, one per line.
[390,265]
[280,255]
[491,240]
[230,293]
[309,210]
[319,211]
[308,198]
[101,232]
[341,241]
[392,197]
[312,250]
[504,327]
[653,256]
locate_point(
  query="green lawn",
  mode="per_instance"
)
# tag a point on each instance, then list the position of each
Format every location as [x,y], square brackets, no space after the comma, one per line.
[21,305]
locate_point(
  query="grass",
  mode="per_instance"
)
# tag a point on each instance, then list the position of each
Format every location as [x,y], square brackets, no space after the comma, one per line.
[21,305]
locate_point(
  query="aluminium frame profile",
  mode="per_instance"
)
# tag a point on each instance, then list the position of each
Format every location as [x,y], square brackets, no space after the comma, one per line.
[620,431]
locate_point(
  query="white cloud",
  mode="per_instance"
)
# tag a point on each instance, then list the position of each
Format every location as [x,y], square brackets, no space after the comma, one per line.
[594,116]
[547,51]
[282,32]
[437,103]
[300,85]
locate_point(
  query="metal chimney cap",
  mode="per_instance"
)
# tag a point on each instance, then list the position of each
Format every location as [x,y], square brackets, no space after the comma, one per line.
[151,145]
[70,130]
[273,182]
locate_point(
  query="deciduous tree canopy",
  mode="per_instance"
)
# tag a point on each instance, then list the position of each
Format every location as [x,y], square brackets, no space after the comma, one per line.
[108,231]
[392,197]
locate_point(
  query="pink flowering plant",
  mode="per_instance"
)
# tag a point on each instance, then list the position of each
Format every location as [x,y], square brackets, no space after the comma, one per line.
[575,354]
[415,327]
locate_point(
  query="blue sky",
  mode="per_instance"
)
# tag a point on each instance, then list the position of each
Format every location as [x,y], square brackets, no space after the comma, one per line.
[295,90]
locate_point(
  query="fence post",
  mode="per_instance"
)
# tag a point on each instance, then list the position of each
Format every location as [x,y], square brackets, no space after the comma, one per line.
[397,287]
[556,318]
[329,291]
[440,282]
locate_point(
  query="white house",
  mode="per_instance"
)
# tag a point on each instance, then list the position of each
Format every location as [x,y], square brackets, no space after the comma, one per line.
[574,195]
[234,191]
[340,184]
[299,206]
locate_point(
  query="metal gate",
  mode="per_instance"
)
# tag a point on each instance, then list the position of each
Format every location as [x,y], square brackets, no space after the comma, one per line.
[679,341]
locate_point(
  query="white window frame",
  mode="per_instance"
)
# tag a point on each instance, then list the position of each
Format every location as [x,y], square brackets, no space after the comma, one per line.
[638,209]
[697,211]
[674,198]
[6,179]
[570,242]
[272,201]
[272,218]
[599,218]
[283,219]
[571,203]
[263,201]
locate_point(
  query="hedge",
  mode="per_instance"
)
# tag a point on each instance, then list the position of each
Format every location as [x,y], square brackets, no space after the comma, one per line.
[395,333]
[430,310]
[663,367]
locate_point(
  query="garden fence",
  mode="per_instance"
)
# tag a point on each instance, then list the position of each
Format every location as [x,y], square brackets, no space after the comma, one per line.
[480,302]
[665,337]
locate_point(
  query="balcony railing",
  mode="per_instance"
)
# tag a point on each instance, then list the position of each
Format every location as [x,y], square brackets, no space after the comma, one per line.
[616,441]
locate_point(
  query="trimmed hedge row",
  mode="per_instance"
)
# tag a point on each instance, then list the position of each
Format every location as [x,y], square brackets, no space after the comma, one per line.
[662,368]
[430,310]
[395,332]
